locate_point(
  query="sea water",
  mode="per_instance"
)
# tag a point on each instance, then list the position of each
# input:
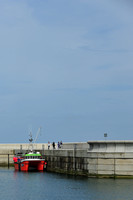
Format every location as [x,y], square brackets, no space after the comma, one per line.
[52,186]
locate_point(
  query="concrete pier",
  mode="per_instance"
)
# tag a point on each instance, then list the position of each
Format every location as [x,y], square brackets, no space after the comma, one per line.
[93,158]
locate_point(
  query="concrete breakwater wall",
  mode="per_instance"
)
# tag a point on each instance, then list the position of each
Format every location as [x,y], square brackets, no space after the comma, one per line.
[92,158]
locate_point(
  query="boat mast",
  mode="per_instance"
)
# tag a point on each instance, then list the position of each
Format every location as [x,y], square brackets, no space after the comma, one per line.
[31,145]
[30,142]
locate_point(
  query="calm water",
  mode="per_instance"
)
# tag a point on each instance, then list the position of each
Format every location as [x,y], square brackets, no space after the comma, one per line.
[50,186]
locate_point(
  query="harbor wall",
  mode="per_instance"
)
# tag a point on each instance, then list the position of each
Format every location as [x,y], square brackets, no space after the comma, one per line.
[96,159]
[92,158]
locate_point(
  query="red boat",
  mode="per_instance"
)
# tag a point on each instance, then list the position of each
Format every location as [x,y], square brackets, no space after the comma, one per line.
[31,160]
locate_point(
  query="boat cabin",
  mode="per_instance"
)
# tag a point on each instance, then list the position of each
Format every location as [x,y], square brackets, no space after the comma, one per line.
[32,156]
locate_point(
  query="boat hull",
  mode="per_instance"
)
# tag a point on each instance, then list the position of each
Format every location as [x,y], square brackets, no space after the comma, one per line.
[29,165]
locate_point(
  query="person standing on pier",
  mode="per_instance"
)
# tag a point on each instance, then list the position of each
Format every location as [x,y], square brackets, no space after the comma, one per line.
[48,145]
[58,145]
[53,145]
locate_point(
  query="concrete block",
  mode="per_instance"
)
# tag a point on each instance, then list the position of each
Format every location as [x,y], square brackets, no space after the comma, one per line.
[105,167]
[110,155]
[129,147]
[92,155]
[95,148]
[78,145]
[120,147]
[69,153]
[85,167]
[124,167]
[55,159]
[111,148]
[109,172]
[105,161]
[128,155]
[84,160]
[81,153]
[124,161]
[4,160]
[124,173]
[92,171]
[92,167]
[103,147]
[92,161]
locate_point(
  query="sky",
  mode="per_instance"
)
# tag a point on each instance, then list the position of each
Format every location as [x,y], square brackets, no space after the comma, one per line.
[67,66]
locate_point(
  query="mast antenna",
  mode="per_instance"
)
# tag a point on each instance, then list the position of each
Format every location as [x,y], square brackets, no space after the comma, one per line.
[30,142]
[37,134]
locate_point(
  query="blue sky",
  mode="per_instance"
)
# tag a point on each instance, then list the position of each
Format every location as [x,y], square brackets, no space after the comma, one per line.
[66,65]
